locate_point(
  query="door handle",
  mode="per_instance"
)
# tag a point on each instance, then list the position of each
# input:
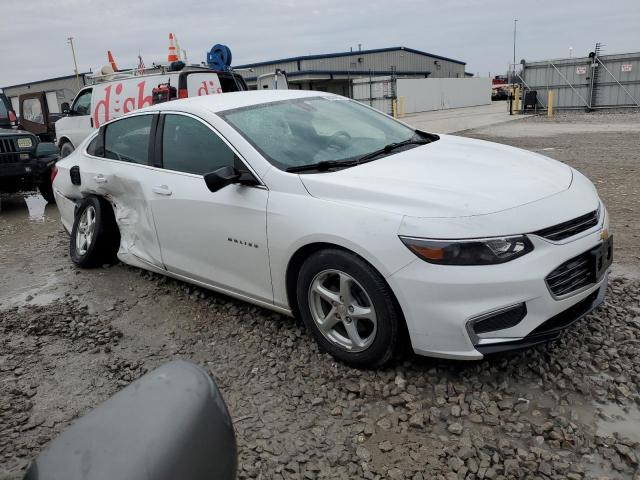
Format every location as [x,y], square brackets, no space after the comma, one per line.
[161,190]
[99,178]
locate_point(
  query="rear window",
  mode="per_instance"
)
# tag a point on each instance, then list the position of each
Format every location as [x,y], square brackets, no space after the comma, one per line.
[127,140]
[3,109]
[231,84]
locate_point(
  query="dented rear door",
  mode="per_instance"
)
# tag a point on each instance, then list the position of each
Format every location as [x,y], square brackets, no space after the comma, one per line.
[118,169]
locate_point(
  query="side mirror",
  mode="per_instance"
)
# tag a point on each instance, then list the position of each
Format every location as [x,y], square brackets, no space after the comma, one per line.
[224,176]
[66,109]
[171,423]
[47,149]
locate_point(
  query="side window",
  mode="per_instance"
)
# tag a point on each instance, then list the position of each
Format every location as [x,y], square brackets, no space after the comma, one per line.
[128,139]
[190,146]
[32,110]
[82,105]
[96,147]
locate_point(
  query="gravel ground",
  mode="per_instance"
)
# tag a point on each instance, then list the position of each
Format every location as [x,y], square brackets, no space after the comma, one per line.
[70,338]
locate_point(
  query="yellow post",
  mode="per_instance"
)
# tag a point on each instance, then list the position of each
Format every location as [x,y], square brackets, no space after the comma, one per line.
[516,100]
[401,114]
[394,108]
[550,99]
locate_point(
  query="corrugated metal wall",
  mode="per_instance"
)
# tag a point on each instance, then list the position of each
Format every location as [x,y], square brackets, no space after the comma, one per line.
[377,92]
[421,94]
[427,94]
[571,78]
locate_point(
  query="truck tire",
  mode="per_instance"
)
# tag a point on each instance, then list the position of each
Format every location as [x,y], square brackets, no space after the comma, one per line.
[46,189]
[95,237]
[66,149]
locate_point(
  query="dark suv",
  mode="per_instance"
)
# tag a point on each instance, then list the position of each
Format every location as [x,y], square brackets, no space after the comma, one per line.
[25,163]
[8,117]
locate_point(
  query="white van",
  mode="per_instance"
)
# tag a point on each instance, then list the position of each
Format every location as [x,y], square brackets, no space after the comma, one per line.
[114,95]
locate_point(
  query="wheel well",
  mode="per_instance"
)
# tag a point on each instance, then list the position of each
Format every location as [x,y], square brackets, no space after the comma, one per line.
[295,264]
[62,141]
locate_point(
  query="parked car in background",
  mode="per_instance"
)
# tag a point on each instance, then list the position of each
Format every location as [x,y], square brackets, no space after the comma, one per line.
[116,94]
[314,205]
[8,117]
[26,163]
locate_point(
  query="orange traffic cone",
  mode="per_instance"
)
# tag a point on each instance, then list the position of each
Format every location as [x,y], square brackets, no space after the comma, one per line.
[173,55]
[112,61]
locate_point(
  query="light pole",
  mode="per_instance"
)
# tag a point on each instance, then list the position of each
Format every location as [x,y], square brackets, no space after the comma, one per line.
[515,23]
[75,63]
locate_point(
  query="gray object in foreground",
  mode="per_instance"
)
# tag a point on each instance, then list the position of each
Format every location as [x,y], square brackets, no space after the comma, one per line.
[170,424]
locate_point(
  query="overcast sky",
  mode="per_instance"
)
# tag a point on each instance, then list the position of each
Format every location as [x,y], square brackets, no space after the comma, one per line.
[33,44]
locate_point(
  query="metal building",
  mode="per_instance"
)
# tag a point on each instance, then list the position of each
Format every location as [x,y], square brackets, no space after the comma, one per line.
[333,72]
[593,82]
[58,90]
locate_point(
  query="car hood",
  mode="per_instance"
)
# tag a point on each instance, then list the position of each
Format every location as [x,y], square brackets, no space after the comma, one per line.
[452,177]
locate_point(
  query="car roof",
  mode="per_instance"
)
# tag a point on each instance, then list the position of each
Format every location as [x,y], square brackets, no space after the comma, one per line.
[231,100]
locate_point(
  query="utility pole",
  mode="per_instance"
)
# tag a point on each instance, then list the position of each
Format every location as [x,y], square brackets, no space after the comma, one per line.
[515,22]
[75,63]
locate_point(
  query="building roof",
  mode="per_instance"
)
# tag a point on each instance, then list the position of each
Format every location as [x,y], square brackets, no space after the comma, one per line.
[346,54]
[331,73]
[64,77]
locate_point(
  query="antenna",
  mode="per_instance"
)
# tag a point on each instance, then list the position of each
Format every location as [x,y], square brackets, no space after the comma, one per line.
[75,63]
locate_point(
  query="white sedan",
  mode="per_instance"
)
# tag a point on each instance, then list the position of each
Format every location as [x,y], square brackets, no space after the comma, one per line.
[314,205]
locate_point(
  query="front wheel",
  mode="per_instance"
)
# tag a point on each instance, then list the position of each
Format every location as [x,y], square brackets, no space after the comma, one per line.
[66,149]
[349,308]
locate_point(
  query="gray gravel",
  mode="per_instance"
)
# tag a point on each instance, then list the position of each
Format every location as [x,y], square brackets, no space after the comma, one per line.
[547,412]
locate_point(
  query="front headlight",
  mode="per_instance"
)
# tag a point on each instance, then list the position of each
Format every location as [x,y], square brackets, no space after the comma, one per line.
[488,251]
[25,142]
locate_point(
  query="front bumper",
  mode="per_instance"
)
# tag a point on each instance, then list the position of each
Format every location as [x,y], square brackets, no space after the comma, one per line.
[28,169]
[439,301]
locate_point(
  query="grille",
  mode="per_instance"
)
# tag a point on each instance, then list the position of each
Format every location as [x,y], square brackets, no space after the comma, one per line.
[505,319]
[572,275]
[7,145]
[8,151]
[569,228]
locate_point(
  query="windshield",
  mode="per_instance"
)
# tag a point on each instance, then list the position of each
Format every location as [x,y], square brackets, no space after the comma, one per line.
[305,131]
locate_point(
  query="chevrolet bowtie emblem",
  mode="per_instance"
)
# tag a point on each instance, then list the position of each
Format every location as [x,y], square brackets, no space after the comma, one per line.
[604,234]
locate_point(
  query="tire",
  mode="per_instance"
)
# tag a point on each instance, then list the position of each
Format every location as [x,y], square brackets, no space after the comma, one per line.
[354,298]
[66,149]
[46,189]
[95,237]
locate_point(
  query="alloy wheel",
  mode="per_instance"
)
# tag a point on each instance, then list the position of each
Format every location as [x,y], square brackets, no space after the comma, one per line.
[342,310]
[86,230]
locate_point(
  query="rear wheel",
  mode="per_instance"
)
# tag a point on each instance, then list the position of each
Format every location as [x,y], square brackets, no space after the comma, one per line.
[349,308]
[66,149]
[95,238]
